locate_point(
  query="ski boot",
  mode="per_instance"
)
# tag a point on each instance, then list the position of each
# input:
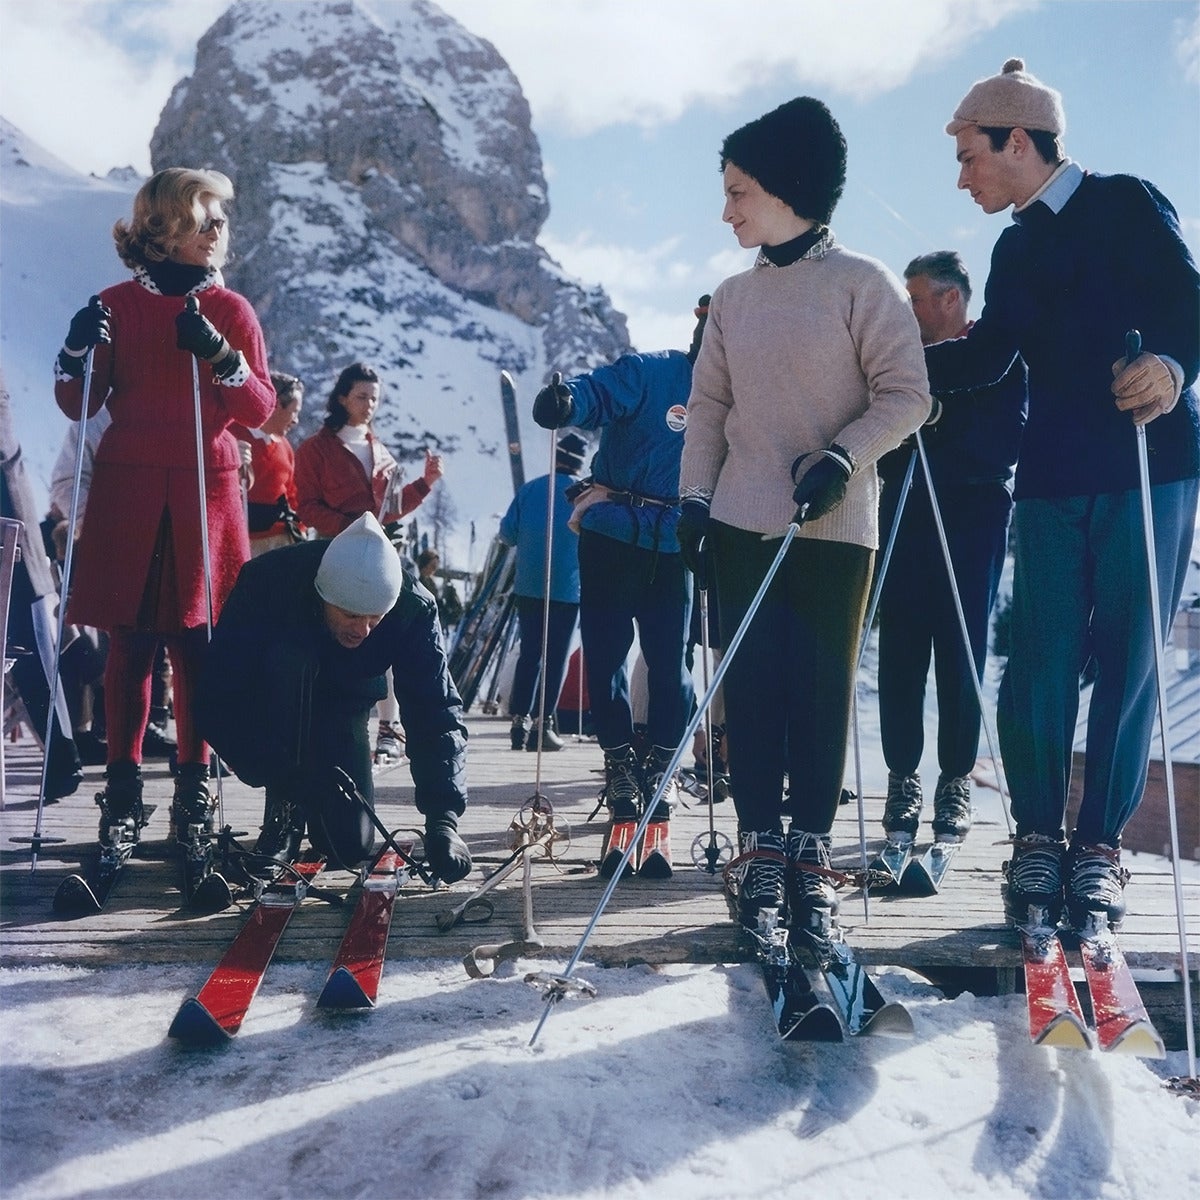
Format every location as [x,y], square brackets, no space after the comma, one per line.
[622,794]
[389,744]
[282,829]
[121,811]
[902,808]
[654,861]
[952,808]
[445,852]
[758,874]
[548,734]
[1095,888]
[812,902]
[1033,881]
[518,732]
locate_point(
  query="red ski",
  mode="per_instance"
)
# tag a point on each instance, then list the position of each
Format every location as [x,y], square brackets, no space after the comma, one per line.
[354,977]
[1055,1017]
[1122,1023]
[216,1012]
[620,838]
[654,862]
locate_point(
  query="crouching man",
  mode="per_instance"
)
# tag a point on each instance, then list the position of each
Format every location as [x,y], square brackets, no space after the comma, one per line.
[295,665]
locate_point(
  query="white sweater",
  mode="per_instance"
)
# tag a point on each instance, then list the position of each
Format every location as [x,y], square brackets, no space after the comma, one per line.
[795,358]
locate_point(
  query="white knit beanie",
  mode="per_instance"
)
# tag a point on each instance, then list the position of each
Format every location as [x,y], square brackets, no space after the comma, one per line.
[361,571]
[1014,99]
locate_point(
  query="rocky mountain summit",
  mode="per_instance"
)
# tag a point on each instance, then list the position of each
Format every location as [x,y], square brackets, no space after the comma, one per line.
[389,197]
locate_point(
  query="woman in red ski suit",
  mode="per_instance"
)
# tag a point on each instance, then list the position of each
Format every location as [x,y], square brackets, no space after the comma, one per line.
[139,570]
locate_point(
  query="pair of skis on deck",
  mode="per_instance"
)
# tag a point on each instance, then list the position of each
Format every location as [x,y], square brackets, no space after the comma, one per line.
[215,1014]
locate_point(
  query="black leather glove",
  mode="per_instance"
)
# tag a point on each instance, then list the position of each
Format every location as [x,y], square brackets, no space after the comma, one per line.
[196,334]
[823,486]
[692,532]
[552,406]
[89,327]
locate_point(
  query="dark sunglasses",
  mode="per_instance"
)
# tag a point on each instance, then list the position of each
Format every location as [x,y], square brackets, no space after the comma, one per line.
[211,223]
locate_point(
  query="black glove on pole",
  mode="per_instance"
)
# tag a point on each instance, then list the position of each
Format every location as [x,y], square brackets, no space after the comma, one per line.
[89,327]
[196,334]
[552,406]
[823,486]
[692,533]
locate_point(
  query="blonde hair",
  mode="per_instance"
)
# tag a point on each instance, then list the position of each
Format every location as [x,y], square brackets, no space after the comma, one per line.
[167,208]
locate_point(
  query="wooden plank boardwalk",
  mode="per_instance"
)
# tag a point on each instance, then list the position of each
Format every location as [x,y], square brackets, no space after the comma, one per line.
[681,919]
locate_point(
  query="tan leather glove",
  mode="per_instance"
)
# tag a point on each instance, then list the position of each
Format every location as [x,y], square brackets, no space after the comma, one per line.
[1145,388]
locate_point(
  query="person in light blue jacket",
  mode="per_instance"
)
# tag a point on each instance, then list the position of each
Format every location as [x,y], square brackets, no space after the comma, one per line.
[630,567]
[524,526]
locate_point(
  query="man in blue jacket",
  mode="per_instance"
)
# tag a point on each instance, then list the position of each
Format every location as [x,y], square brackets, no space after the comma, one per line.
[524,526]
[630,567]
[1088,258]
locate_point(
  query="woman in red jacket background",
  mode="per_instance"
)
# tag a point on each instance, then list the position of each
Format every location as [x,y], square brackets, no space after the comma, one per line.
[140,570]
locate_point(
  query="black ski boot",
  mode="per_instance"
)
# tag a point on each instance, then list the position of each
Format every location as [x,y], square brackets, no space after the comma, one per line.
[447,854]
[518,732]
[121,812]
[545,730]
[1033,881]
[1095,888]
[192,804]
[653,770]
[952,808]
[622,784]
[902,809]
[758,873]
[812,902]
[282,827]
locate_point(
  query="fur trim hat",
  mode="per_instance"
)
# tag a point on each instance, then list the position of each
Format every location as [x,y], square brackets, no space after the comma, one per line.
[361,571]
[571,452]
[797,153]
[1014,99]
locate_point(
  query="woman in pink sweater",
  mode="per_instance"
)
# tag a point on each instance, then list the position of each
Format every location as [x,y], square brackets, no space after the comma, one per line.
[811,368]
[139,571]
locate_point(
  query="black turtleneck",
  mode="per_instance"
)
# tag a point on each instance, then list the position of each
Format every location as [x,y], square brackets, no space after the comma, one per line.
[787,253]
[175,279]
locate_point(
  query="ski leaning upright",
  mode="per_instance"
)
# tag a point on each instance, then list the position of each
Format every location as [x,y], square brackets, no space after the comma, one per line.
[216,1012]
[87,892]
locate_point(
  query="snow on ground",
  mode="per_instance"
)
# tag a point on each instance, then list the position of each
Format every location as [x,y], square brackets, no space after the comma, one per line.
[671,1083]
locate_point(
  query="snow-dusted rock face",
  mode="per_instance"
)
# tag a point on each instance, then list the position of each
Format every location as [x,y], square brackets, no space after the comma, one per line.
[389,197]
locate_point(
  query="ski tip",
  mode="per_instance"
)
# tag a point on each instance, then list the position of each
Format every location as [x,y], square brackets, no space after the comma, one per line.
[342,991]
[655,866]
[75,898]
[1065,1033]
[892,1020]
[1140,1039]
[212,894]
[194,1025]
[819,1024]
[917,879]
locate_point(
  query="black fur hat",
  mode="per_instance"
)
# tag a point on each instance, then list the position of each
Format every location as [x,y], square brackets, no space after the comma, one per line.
[569,456]
[796,152]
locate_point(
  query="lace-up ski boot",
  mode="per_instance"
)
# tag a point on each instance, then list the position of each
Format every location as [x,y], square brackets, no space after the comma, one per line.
[952,808]
[758,873]
[902,809]
[812,902]
[518,731]
[1095,888]
[544,729]
[389,744]
[1033,881]
[121,813]
[282,827]
[622,783]
[653,770]
[192,803]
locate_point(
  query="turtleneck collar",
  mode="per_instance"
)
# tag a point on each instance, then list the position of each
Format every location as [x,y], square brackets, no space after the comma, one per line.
[787,253]
[177,279]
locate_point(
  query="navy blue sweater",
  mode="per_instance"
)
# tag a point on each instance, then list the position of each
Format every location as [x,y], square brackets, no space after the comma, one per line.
[1063,291]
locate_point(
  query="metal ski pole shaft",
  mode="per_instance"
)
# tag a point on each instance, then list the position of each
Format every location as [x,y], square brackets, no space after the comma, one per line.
[64,591]
[549,564]
[714,852]
[872,607]
[193,305]
[992,742]
[1133,348]
[669,771]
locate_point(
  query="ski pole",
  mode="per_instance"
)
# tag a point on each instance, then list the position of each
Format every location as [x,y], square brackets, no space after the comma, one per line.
[872,606]
[966,636]
[548,568]
[668,774]
[718,850]
[193,305]
[1133,348]
[37,841]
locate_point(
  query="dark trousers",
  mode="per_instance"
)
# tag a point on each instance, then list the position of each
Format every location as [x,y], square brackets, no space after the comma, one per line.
[621,585]
[917,618]
[560,628]
[789,686]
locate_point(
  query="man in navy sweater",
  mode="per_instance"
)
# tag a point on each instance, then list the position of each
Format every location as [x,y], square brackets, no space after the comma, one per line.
[1088,258]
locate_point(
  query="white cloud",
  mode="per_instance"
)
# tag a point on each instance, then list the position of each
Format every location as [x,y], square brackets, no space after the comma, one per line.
[587,64]
[1188,48]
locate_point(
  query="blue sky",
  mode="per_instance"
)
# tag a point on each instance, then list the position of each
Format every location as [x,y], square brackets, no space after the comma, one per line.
[631,99]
